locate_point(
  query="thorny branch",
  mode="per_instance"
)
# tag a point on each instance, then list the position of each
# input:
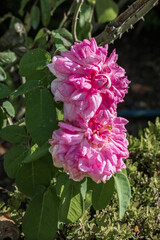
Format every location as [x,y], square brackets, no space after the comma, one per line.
[75,18]
[125,21]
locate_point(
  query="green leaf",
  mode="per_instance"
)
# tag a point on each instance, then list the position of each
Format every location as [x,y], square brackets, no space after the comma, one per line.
[8,107]
[2,74]
[37,153]
[13,159]
[45,12]
[40,34]
[40,115]
[41,38]
[22,6]
[33,62]
[4,91]
[90,184]
[55,4]
[102,194]
[66,36]
[41,217]
[26,87]
[33,174]
[84,32]
[92,1]
[59,114]
[88,200]
[7,58]
[35,16]
[59,42]
[44,76]
[83,188]
[5,16]
[4,122]
[1,117]
[71,204]
[107,10]
[84,14]
[124,192]
[84,26]
[14,134]
[60,182]
[27,22]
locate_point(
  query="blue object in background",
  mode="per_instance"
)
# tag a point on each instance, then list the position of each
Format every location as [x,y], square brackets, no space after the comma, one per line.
[136,113]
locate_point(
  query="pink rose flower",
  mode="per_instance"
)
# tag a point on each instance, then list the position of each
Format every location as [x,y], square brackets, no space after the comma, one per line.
[97,151]
[85,76]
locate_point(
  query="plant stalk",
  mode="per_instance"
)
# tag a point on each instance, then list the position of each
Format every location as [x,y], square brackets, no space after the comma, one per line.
[125,21]
[75,19]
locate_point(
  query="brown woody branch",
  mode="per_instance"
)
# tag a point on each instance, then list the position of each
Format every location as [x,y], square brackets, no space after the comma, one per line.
[125,21]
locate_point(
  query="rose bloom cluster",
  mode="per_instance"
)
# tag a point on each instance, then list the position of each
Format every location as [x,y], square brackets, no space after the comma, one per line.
[92,139]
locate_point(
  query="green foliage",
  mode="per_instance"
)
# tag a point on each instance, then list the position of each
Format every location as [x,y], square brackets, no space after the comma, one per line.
[14,134]
[27,87]
[7,58]
[13,159]
[124,192]
[4,91]
[32,174]
[40,113]
[9,109]
[45,10]
[66,36]
[107,10]
[36,152]
[22,6]
[102,194]
[141,220]
[71,204]
[41,217]
[147,148]
[59,42]
[2,74]
[32,64]
[35,16]
[85,26]
[45,201]
[1,118]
